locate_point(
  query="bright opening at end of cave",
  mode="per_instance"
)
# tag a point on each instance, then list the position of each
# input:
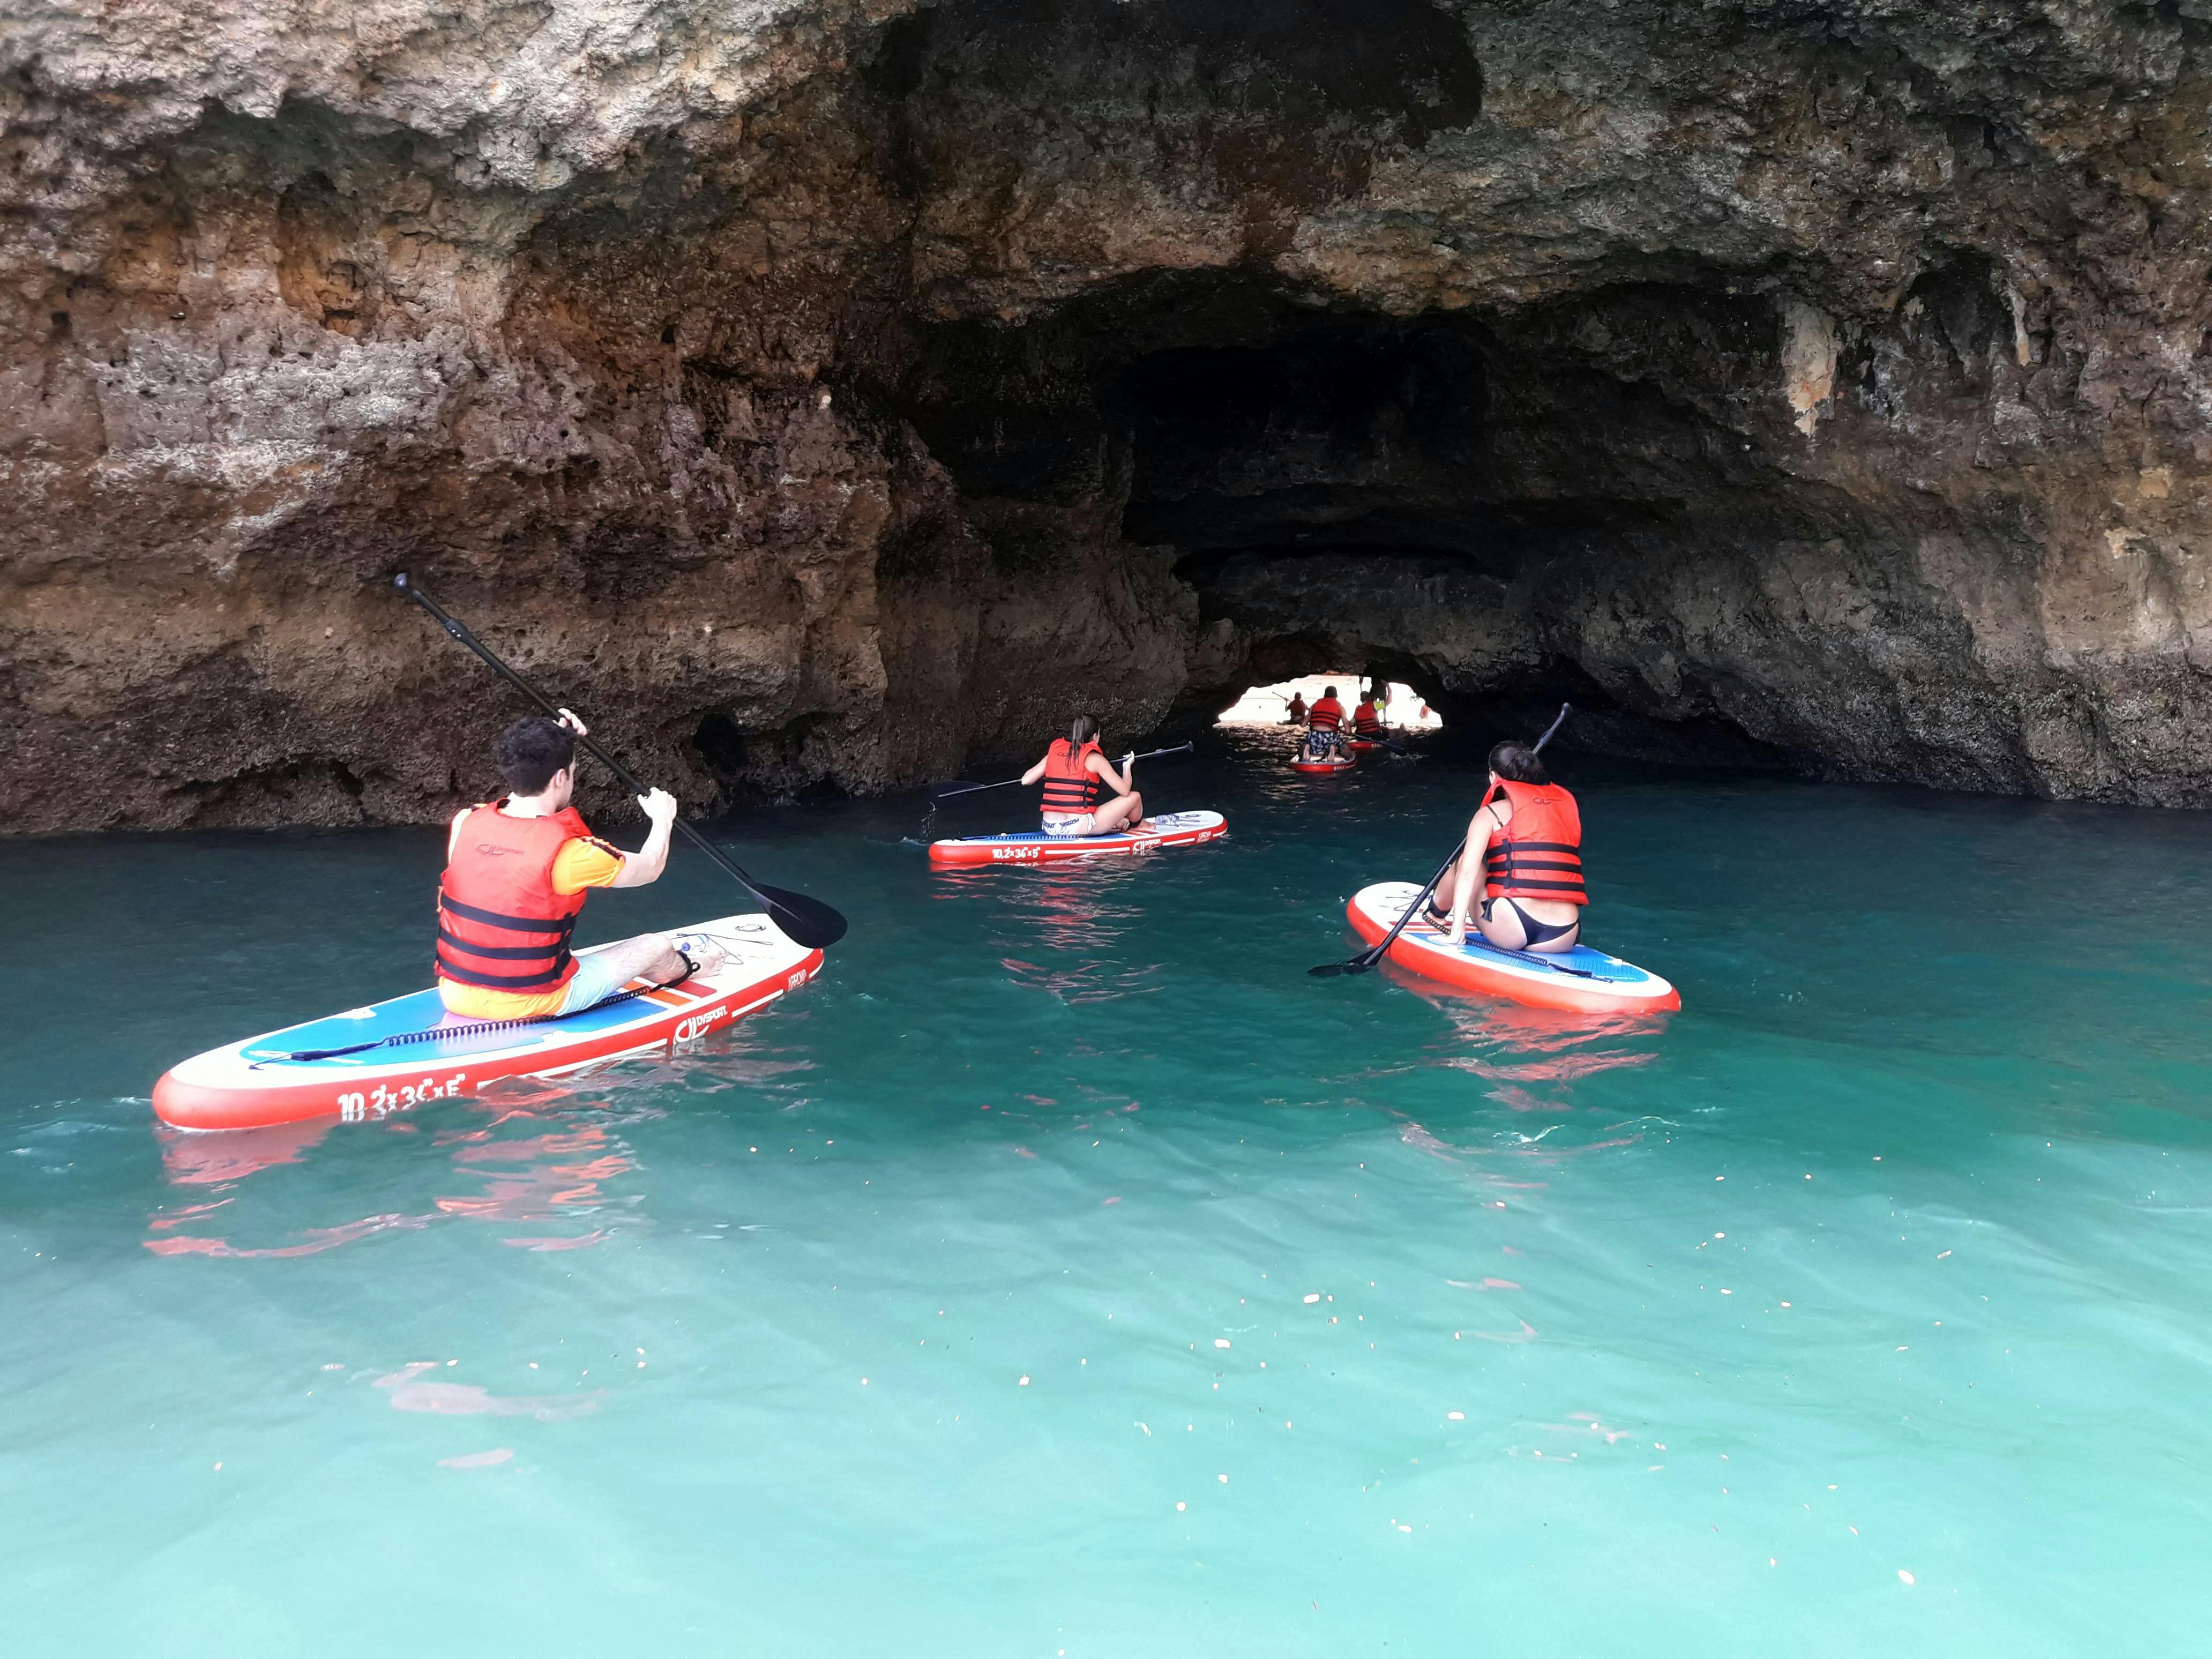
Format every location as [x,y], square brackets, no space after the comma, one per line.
[1403,707]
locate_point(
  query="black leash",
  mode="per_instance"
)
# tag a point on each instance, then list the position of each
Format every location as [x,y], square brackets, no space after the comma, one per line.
[1367,959]
[807,922]
[437,1033]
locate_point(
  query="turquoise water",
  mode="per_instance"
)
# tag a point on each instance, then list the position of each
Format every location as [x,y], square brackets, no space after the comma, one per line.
[1886,1256]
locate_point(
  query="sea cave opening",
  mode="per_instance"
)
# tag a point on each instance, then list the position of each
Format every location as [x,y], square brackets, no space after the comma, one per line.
[1503,512]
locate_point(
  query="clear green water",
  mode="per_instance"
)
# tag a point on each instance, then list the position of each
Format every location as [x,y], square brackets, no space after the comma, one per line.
[726,1357]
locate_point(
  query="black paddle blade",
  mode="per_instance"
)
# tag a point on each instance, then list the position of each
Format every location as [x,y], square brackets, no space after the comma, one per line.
[1331,969]
[805,920]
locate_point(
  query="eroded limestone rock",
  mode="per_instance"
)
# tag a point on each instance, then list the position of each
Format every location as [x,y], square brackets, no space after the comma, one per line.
[839,393]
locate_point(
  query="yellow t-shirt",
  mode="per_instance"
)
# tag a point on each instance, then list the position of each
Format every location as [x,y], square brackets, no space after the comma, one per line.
[581,864]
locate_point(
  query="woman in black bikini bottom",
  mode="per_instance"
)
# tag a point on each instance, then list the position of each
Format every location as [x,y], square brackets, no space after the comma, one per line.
[1537,933]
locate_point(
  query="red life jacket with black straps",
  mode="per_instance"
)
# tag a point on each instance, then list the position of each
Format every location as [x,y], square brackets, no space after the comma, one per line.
[1364,720]
[500,923]
[1070,785]
[1538,854]
[1326,715]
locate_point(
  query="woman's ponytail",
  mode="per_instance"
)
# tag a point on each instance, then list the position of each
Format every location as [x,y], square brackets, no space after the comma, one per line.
[1518,763]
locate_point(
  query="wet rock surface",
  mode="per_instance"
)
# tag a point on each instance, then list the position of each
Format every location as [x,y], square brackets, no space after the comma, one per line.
[829,394]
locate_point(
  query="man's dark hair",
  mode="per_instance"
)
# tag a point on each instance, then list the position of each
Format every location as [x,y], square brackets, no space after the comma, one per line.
[1519,763]
[531,750]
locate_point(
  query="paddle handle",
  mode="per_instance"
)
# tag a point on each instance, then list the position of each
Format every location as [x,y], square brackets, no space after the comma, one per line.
[1002,783]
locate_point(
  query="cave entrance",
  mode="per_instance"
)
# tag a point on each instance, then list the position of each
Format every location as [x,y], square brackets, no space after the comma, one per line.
[1490,506]
[1404,709]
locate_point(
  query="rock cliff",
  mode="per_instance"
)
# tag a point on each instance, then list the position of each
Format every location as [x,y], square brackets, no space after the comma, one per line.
[834,393]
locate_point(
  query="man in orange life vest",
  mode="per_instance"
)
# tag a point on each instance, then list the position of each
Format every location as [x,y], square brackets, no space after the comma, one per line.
[517,871]
[1073,770]
[1526,841]
[1324,727]
[1367,719]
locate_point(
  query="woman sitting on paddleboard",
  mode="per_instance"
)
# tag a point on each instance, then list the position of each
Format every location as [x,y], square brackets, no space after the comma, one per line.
[1073,770]
[1527,839]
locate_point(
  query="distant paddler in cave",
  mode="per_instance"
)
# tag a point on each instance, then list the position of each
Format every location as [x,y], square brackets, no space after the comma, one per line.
[1367,721]
[1076,823]
[1296,716]
[517,872]
[1327,714]
[1324,745]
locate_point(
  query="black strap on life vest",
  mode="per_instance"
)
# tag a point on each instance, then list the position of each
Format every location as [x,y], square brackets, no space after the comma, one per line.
[558,947]
[1070,795]
[564,926]
[1522,866]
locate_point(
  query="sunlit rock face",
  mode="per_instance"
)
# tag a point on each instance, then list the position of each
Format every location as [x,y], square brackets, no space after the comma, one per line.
[837,394]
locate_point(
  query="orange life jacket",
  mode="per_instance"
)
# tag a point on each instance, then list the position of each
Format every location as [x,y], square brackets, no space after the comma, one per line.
[1326,715]
[500,923]
[1364,720]
[1070,785]
[1538,854]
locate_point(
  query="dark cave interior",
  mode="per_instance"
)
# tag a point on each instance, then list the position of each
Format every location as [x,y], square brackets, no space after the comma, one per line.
[1347,486]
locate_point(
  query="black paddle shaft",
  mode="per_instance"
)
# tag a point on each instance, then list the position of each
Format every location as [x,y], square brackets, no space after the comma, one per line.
[1367,959]
[807,922]
[971,789]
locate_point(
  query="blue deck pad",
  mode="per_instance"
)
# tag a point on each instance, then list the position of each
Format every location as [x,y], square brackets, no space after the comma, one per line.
[1598,965]
[420,1011]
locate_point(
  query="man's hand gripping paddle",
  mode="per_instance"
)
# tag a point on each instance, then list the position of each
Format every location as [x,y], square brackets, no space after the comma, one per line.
[805,920]
[1366,959]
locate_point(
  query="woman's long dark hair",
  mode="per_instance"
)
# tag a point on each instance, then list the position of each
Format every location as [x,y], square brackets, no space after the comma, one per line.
[1084,730]
[1518,763]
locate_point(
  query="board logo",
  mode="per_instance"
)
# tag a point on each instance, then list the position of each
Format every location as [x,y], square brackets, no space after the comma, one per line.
[699,1024]
[381,1102]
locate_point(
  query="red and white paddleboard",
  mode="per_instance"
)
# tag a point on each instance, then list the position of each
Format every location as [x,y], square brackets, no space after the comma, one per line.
[409,1052]
[1034,846]
[1323,768]
[1581,981]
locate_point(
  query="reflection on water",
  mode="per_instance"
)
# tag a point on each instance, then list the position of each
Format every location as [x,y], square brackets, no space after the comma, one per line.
[1066,1218]
[1534,1058]
[1069,925]
[521,1170]
[190,1159]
